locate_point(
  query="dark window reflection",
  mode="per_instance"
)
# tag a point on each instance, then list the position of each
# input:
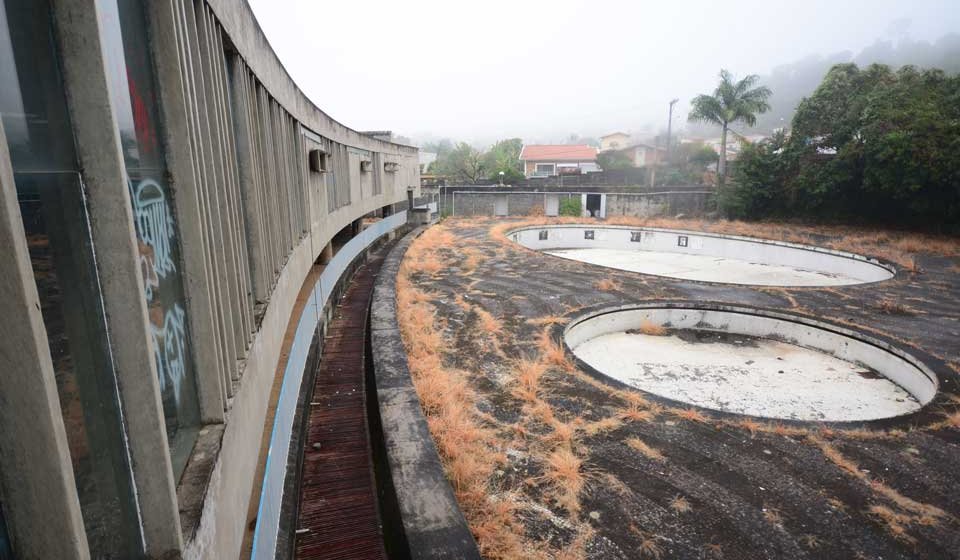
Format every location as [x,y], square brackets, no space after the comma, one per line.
[52,205]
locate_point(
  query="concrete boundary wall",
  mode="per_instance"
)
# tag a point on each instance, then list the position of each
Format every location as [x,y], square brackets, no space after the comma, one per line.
[433,525]
[494,200]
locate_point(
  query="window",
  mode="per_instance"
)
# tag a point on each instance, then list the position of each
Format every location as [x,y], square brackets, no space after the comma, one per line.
[588,234]
[635,236]
[318,161]
[131,87]
[545,169]
[53,210]
[682,241]
[543,234]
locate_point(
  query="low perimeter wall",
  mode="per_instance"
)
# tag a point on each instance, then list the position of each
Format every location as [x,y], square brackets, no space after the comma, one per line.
[432,525]
[525,203]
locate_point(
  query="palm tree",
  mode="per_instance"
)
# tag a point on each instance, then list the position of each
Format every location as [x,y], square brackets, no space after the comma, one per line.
[731,102]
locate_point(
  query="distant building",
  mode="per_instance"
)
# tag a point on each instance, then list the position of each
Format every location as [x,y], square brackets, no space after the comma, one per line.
[614,141]
[541,160]
[643,155]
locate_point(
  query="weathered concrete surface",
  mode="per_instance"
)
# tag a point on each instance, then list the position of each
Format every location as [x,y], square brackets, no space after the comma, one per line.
[759,377]
[760,489]
[433,525]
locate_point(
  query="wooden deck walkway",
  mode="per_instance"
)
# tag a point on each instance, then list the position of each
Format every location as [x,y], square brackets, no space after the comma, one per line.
[338,514]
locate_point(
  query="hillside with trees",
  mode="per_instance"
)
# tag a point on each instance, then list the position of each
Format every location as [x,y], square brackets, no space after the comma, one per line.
[870,145]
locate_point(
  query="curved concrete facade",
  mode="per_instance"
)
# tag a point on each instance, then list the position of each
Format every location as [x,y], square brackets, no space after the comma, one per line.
[702,256]
[255,185]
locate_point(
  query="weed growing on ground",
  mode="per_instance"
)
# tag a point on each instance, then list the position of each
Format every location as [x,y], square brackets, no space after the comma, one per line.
[564,471]
[691,414]
[607,285]
[650,328]
[680,504]
[647,451]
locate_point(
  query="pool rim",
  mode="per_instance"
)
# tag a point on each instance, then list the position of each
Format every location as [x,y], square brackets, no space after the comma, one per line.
[935,369]
[865,259]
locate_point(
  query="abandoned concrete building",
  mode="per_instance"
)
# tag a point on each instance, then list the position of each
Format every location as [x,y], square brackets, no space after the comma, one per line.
[234,327]
[168,192]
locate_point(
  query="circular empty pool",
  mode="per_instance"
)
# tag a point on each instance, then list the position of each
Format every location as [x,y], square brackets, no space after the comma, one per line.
[705,257]
[752,362]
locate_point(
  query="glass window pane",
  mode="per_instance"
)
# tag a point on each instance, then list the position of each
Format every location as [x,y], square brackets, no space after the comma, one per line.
[52,206]
[130,79]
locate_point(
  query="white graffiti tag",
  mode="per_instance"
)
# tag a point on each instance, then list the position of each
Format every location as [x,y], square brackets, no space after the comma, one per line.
[155,226]
[169,350]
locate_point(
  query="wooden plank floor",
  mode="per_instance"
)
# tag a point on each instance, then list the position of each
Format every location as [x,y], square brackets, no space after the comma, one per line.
[338,495]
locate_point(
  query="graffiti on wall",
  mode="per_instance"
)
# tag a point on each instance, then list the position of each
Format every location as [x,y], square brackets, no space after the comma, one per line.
[156,232]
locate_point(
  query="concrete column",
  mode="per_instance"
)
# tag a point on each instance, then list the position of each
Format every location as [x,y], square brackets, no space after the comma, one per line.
[183,180]
[118,264]
[39,491]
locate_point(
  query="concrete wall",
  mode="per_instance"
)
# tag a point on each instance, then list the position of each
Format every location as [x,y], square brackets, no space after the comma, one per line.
[251,219]
[481,203]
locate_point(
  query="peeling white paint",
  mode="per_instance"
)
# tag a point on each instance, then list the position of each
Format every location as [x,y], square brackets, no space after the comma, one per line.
[771,379]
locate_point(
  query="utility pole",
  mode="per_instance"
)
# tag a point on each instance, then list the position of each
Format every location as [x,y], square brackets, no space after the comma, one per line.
[670,129]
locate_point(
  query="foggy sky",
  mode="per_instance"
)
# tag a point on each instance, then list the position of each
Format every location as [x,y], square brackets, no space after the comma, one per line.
[479,71]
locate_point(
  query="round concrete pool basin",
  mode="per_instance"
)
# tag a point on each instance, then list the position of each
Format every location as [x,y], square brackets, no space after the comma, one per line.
[705,257]
[758,363]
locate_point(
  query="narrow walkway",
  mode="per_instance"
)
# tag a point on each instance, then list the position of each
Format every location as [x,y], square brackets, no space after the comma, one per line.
[338,495]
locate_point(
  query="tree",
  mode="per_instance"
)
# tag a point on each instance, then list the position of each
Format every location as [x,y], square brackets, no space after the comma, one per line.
[504,156]
[464,163]
[870,145]
[731,102]
[613,160]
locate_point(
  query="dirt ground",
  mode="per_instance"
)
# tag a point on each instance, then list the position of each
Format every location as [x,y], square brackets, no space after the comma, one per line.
[550,462]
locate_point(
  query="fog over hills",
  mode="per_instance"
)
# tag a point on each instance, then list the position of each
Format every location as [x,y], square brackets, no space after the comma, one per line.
[548,70]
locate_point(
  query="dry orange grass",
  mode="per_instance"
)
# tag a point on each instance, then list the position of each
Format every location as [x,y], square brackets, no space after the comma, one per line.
[548,320]
[691,414]
[633,413]
[894,523]
[647,451]
[469,449]
[607,285]
[528,373]
[650,328]
[487,322]
[911,511]
[472,259]
[564,470]
[649,547]
[552,352]
[680,504]
[603,425]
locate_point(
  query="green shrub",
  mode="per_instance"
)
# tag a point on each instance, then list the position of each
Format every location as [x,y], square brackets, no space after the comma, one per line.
[571,207]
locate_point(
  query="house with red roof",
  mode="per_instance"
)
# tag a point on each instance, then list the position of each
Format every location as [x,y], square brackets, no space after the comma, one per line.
[546,160]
